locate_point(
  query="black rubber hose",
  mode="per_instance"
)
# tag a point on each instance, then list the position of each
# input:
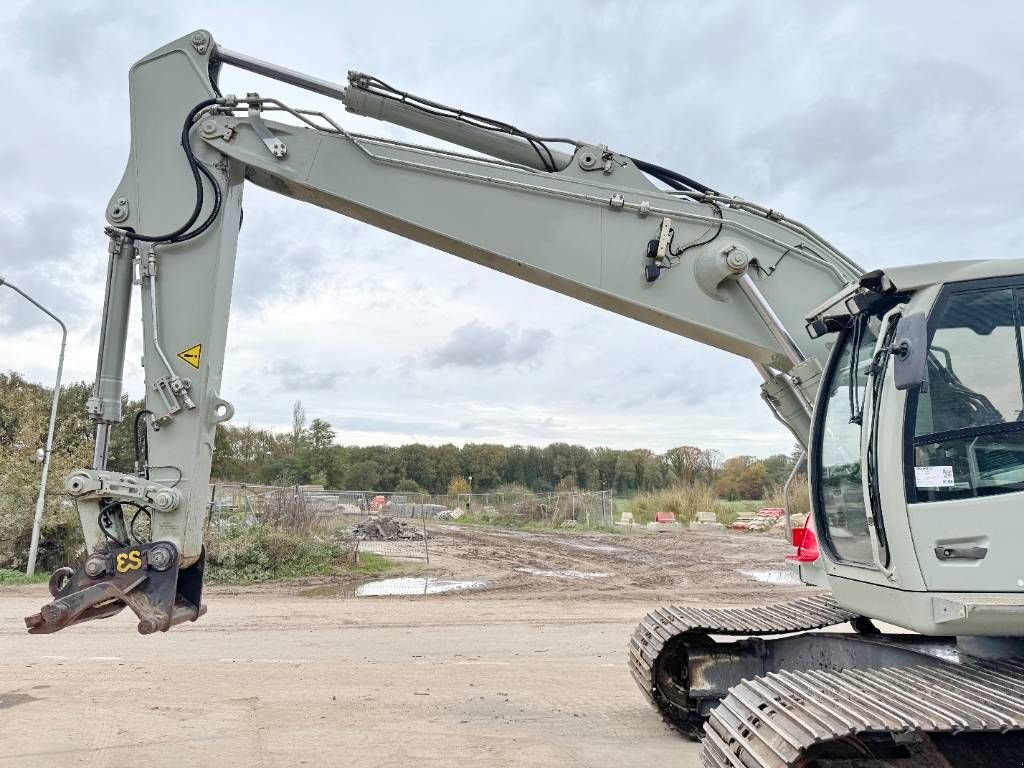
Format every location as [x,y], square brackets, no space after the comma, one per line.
[196,168]
[214,211]
[673,179]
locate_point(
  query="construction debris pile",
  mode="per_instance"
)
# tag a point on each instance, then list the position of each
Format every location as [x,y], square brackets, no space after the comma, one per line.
[449,514]
[387,529]
[772,518]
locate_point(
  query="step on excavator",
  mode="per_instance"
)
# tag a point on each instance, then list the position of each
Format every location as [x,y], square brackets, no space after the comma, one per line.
[904,386]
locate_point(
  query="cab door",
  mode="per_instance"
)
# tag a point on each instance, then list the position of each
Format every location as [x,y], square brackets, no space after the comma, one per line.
[964,442]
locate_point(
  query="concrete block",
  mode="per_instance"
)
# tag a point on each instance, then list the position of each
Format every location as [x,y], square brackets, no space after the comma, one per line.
[700,525]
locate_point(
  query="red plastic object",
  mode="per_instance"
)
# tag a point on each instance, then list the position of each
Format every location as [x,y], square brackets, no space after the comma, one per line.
[772,512]
[378,503]
[806,544]
[664,517]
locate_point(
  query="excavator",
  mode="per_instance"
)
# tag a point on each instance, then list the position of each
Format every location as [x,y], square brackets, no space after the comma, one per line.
[904,386]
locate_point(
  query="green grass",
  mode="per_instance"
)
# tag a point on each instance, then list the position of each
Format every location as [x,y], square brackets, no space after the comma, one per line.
[9,578]
[728,511]
[685,502]
[524,524]
[503,521]
[370,563]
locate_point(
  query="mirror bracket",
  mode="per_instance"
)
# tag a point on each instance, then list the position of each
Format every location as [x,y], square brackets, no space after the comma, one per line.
[910,352]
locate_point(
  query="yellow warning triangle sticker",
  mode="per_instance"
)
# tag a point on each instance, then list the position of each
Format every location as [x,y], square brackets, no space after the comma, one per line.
[192,355]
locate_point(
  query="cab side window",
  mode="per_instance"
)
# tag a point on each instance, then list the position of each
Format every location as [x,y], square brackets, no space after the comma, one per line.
[968,427]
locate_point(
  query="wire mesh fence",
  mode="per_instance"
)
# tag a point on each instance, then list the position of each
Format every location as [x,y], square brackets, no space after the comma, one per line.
[591,509]
[395,524]
[312,504]
[388,524]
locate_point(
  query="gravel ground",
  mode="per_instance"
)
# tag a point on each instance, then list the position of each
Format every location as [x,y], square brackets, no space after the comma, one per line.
[529,670]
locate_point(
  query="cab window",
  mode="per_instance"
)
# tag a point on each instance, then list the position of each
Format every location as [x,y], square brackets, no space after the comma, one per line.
[967,427]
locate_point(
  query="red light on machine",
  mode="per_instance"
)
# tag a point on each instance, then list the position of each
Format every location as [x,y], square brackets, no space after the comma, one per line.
[806,544]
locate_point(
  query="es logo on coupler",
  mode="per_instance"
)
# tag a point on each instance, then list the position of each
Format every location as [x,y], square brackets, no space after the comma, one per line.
[128,561]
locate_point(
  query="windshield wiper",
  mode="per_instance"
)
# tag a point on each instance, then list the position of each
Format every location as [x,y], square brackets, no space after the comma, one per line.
[856,404]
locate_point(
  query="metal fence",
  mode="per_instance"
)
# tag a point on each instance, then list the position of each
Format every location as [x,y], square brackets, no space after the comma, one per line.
[592,509]
[394,524]
[586,508]
[388,524]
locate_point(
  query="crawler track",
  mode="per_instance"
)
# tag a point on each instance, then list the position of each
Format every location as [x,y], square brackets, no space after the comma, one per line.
[780,719]
[810,717]
[664,629]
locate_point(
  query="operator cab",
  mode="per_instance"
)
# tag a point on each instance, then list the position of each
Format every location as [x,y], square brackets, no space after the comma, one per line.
[916,482]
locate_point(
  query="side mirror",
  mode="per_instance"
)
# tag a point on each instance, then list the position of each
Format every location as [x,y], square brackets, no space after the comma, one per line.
[910,351]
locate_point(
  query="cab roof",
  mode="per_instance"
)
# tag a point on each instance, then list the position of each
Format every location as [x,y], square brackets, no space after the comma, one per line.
[917,276]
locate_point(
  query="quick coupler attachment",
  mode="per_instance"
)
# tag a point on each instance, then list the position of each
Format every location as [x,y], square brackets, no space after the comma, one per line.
[146,578]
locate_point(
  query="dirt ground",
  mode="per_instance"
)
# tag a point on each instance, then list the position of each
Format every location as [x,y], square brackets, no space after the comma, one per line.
[528,670]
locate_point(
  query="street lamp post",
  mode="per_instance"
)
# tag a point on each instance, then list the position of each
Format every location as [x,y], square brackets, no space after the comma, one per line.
[37,522]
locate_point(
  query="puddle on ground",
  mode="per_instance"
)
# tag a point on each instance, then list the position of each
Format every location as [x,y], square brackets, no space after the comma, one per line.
[564,574]
[773,576]
[414,586]
[406,585]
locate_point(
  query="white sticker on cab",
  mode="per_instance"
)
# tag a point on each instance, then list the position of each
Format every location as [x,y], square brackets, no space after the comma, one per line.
[934,477]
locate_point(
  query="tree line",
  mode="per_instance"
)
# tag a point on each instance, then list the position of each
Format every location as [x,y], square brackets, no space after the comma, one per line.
[308,454]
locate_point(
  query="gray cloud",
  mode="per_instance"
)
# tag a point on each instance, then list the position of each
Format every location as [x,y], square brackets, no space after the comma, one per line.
[476,345]
[47,251]
[68,40]
[390,424]
[293,377]
[842,142]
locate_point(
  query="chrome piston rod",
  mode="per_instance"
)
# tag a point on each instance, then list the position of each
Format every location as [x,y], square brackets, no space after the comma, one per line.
[767,314]
[285,75]
[362,102]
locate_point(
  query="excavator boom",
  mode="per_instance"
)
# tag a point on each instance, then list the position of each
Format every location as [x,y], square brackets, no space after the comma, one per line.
[591,225]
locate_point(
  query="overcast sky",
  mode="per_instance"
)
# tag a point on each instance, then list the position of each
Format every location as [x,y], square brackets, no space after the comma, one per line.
[896,130]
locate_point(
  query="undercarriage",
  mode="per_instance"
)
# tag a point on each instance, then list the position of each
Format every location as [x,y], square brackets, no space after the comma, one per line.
[783,696]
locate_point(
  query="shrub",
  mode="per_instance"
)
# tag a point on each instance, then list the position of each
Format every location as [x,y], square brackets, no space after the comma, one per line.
[286,509]
[261,552]
[684,501]
[799,496]
[458,485]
